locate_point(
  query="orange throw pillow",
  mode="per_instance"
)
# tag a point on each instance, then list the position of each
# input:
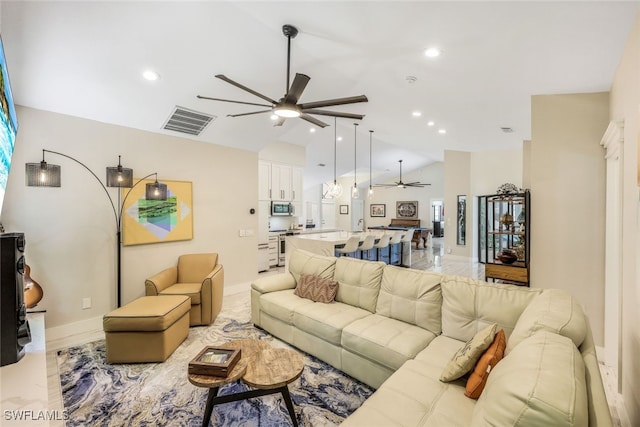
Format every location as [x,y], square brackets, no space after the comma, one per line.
[489,359]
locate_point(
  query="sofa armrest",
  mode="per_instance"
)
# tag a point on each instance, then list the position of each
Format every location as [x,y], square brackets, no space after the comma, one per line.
[161,281]
[277,282]
[599,414]
[211,294]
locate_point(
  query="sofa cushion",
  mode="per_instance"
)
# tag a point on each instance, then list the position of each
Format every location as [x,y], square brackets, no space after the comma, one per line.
[386,341]
[358,282]
[326,321]
[306,262]
[465,359]
[469,305]
[540,383]
[412,296]
[316,288]
[555,311]
[192,290]
[282,304]
[484,366]
[412,396]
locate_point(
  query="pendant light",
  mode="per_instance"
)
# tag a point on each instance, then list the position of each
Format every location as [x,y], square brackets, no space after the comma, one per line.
[370,192]
[355,193]
[335,191]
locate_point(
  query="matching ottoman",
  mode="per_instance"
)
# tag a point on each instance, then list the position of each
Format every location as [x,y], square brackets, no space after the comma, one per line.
[147,329]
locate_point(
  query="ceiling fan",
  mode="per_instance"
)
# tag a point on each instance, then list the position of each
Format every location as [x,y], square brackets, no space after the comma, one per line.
[401,184]
[288,106]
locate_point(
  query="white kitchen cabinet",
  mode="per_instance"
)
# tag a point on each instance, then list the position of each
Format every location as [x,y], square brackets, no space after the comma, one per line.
[264,180]
[264,211]
[280,182]
[273,251]
[296,186]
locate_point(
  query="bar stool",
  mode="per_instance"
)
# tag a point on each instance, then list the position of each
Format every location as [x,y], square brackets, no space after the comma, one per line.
[396,238]
[351,247]
[383,242]
[408,236]
[367,244]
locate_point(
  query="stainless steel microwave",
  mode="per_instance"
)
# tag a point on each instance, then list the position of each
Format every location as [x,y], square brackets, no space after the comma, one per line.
[281,209]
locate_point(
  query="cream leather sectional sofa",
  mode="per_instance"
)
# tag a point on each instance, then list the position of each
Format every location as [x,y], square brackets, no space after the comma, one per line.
[396,329]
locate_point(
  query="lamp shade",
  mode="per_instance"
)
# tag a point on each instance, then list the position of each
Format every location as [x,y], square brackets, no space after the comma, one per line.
[119,176]
[42,174]
[156,191]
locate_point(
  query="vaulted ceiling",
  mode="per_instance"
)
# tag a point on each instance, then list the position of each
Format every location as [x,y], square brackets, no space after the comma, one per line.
[86,59]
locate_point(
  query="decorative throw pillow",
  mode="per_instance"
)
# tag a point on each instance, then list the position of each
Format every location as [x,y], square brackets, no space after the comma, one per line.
[489,359]
[465,359]
[316,288]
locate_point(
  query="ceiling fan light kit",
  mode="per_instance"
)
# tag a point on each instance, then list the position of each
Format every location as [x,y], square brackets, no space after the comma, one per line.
[288,106]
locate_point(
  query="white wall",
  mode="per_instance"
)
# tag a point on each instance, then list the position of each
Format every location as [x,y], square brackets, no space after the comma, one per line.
[625,105]
[433,174]
[70,231]
[568,198]
[283,152]
[475,174]
[490,169]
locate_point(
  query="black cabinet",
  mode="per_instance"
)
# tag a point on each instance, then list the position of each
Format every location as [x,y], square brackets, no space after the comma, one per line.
[504,221]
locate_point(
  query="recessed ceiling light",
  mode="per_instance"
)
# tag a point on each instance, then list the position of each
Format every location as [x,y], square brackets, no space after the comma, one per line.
[431,123]
[432,52]
[150,75]
[416,114]
[274,117]
[339,138]
[442,131]
[312,130]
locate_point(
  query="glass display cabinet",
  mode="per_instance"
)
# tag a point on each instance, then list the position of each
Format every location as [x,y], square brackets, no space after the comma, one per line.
[504,221]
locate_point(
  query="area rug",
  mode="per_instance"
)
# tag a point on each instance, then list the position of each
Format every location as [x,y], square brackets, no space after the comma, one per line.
[96,393]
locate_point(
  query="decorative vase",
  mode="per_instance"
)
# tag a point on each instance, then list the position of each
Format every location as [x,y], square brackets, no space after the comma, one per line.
[506,220]
[507,256]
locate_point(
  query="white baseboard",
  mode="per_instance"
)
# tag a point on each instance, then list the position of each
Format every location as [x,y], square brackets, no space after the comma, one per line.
[237,288]
[74,333]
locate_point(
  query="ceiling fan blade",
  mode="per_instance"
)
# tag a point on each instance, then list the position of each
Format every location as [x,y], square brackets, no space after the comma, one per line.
[246,89]
[334,114]
[331,102]
[297,87]
[230,100]
[416,185]
[313,120]
[279,121]
[248,114]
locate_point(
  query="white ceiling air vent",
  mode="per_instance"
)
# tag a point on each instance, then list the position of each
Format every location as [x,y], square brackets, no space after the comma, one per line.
[188,121]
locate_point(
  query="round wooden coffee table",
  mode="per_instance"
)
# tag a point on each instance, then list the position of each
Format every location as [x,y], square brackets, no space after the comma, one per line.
[268,370]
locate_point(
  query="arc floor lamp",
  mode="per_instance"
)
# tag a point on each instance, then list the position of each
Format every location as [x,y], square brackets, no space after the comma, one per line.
[44,174]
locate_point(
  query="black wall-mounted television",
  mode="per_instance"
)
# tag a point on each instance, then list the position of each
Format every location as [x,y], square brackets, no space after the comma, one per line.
[8,124]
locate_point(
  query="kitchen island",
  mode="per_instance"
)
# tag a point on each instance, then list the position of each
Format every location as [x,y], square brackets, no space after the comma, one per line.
[327,242]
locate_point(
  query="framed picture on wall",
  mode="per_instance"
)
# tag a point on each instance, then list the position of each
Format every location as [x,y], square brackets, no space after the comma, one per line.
[378,210]
[344,209]
[407,209]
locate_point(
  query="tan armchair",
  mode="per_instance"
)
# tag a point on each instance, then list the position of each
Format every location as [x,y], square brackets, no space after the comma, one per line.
[200,277]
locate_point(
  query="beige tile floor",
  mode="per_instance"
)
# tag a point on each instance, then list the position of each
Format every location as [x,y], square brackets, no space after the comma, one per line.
[432,259]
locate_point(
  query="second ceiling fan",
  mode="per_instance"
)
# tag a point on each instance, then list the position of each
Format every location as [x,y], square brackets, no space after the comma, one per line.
[287,106]
[401,184]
